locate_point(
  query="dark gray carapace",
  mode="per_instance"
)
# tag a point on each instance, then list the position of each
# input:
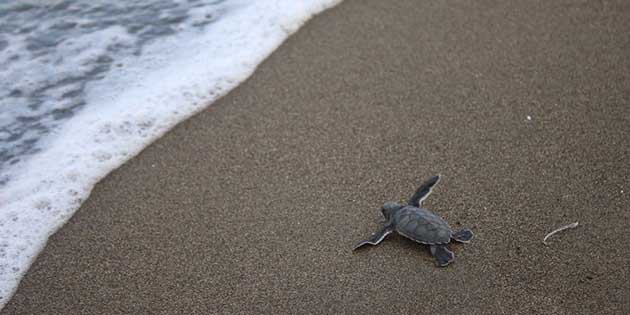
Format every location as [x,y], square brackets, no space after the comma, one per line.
[420,225]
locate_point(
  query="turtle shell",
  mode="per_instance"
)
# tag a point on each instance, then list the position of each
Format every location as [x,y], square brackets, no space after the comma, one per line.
[422,225]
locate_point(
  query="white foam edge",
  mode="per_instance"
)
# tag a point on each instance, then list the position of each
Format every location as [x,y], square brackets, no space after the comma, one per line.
[54,182]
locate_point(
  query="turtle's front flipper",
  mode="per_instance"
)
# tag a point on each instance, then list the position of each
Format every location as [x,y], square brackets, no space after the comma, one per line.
[442,255]
[376,237]
[423,191]
[463,235]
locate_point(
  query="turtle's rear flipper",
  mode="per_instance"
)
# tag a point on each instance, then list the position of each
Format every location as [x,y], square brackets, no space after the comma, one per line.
[443,255]
[376,237]
[463,235]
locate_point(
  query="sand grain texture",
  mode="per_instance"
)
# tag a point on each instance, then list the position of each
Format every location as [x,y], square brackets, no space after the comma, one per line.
[252,206]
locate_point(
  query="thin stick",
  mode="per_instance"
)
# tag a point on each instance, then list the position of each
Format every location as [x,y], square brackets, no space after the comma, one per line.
[560,229]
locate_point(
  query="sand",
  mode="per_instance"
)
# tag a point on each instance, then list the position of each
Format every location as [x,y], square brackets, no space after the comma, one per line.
[252,206]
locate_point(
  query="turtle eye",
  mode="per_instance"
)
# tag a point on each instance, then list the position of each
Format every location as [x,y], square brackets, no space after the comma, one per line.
[385,212]
[388,209]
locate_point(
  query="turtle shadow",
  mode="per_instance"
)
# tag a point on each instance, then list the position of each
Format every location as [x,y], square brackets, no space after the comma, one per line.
[406,243]
[396,240]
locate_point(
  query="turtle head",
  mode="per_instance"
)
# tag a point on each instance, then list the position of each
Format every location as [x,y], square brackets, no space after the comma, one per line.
[389,208]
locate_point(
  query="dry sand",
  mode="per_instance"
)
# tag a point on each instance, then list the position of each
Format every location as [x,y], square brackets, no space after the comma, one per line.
[252,206]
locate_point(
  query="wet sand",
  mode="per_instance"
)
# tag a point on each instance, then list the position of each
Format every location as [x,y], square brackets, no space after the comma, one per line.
[252,206]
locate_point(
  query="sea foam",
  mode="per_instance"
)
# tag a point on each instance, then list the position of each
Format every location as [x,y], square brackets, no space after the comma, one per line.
[130,105]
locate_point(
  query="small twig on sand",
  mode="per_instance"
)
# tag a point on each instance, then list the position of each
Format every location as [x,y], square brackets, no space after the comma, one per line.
[560,229]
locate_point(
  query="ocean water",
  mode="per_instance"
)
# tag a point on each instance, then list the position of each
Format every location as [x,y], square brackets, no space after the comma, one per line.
[86,84]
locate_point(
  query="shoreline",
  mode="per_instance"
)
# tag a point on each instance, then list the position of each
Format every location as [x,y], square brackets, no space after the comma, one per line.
[252,205]
[175,77]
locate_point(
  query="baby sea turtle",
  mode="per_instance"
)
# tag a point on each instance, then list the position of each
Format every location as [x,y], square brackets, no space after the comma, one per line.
[419,224]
